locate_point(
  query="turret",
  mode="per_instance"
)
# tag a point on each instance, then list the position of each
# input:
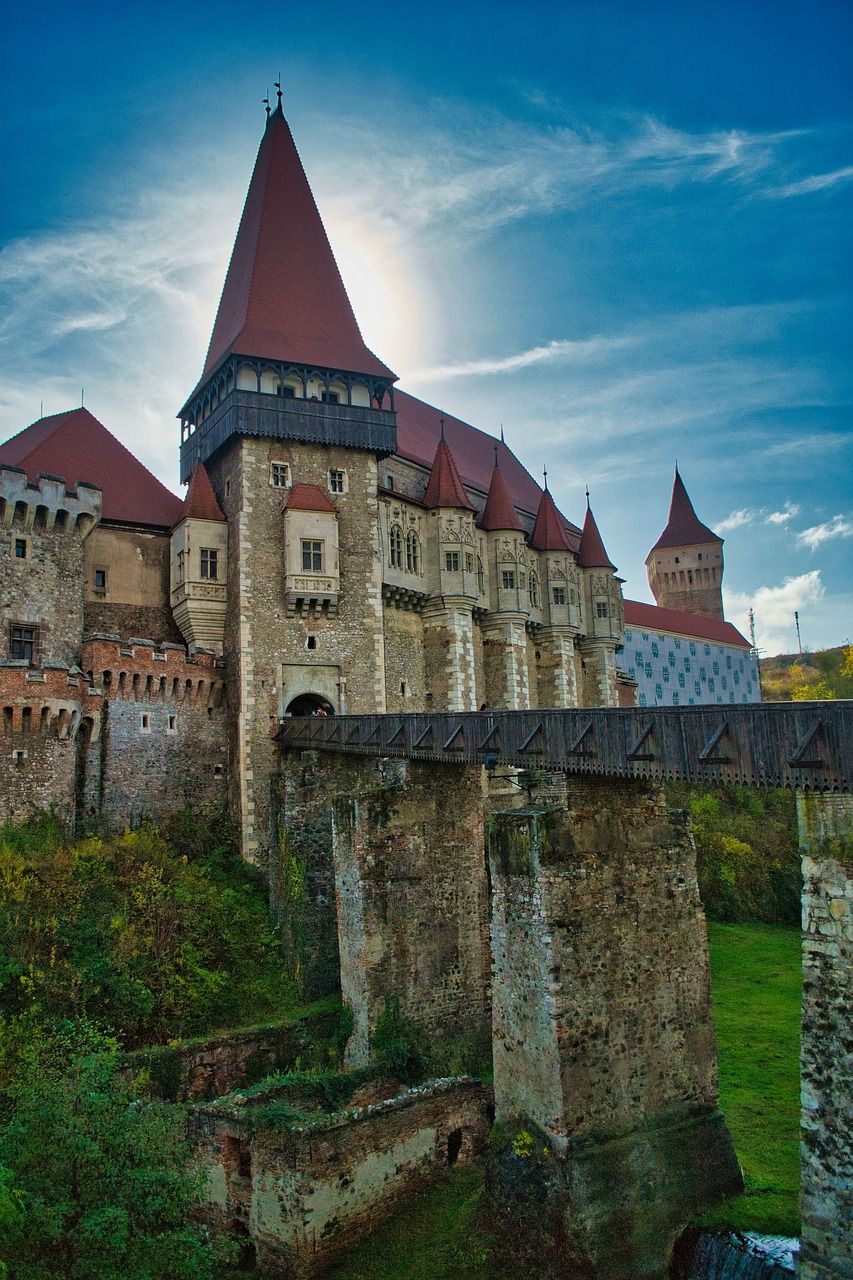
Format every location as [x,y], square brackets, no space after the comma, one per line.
[560,583]
[199,566]
[514,584]
[452,546]
[603,616]
[685,566]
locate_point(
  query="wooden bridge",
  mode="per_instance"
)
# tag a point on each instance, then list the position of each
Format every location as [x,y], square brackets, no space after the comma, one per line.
[802,745]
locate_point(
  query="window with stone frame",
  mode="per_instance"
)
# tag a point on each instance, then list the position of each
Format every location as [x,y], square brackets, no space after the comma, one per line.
[413,552]
[312,556]
[533,590]
[508,579]
[20,549]
[558,595]
[601,608]
[209,563]
[451,561]
[179,566]
[395,539]
[23,642]
[279,475]
[100,580]
[337,481]
[481,576]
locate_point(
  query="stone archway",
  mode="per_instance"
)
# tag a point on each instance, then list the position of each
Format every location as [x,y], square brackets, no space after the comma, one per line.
[309,704]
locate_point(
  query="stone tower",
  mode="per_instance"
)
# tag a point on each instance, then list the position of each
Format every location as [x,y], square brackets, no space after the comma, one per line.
[685,566]
[290,418]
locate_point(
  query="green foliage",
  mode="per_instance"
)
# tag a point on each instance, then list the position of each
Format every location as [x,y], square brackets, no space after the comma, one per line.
[467,1053]
[747,851]
[756,985]
[153,938]
[397,1043]
[102,1179]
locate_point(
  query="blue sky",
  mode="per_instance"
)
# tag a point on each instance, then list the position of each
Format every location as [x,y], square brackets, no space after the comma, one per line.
[619,229]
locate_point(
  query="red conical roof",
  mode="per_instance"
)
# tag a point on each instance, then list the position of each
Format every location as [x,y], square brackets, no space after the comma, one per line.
[499,513]
[549,532]
[200,502]
[283,297]
[76,446]
[684,528]
[444,487]
[591,553]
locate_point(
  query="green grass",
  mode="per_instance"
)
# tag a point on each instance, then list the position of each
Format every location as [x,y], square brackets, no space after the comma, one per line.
[756,988]
[756,983]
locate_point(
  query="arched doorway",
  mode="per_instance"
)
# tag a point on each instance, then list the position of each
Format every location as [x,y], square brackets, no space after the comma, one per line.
[309,704]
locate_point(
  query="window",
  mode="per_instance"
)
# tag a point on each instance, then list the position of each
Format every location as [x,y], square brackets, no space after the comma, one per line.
[508,579]
[23,641]
[481,577]
[228,488]
[179,567]
[413,552]
[312,556]
[330,397]
[144,723]
[279,475]
[558,595]
[389,482]
[337,481]
[100,579]
[311,642]
[286,393]
[601,610]
[20,549]
[451,561]
[396,541]
[172,724]
[534,591]
[209,563]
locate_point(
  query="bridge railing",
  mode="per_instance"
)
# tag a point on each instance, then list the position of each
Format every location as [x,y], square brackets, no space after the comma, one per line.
[804,745]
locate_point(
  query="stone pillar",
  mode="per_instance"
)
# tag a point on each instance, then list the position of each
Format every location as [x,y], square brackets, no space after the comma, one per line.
[600,688]
[449,655]
[505,661]
[412,898]
[604,1055]
[555,666]
[826,1195]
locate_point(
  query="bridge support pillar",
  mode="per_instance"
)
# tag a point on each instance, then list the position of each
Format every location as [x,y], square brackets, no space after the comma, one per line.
[604,1055]
[826,841]
[412,898]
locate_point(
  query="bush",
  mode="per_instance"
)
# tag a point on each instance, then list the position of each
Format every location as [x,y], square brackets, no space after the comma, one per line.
[397,1044]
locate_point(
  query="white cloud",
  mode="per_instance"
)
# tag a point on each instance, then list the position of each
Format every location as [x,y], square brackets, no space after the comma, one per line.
[562,349]
[817,182]
[837,527]
[774,610]
[736,520]
[787,513]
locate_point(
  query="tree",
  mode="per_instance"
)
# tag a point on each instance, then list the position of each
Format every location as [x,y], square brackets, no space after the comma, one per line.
[102,1178]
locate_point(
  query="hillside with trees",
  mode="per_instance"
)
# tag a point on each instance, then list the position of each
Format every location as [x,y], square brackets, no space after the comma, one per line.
[799,677]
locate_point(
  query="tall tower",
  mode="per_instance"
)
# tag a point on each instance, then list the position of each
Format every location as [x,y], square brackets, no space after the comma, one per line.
[290,417]
[685,566]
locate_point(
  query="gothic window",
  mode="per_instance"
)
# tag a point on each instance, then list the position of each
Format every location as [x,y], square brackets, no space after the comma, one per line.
[508,579]
[558,595]
[179,566]
[23,641]
[451,561]
[396,541]
[534,591]
[413,552]
[312,556]
[279,475]
[601,610]
[209,563]
[337,481]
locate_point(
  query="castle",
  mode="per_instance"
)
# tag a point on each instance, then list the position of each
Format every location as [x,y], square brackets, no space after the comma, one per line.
[343,547]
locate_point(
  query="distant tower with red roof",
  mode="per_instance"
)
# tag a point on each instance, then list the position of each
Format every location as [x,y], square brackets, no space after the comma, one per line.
[685,566]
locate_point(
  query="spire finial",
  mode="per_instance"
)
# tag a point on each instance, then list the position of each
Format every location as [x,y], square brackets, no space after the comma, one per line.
[587,497]
[278,90]
[502,434]
[267,104]
[545,474]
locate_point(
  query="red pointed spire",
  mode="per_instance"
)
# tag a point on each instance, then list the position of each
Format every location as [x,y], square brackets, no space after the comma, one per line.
[684,528]
[445,487]
[549,531]
[499,513]
[200,502]
[283,297]
[591,552]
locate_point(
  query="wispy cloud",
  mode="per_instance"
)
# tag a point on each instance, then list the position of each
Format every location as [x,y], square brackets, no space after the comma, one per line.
[558,350]
[838,527]
[806,186]
[750,515]
[736,520]
[774,609]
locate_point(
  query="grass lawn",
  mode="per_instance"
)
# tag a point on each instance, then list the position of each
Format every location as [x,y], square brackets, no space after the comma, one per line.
[756,983]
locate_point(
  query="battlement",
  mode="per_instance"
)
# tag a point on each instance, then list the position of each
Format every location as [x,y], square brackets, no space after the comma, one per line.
[48,505]
[137,670]
[49,701]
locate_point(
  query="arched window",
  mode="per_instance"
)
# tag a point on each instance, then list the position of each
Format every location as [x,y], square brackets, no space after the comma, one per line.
[534,591]
[396,540]
[413,552]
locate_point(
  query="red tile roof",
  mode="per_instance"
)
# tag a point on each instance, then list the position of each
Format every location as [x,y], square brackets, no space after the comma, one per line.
[591,552]
[684,528]
[76,446]
[200,502]
[651,617]
[283,297]
[444,487]
[549,532]
[499,513]
[309,497]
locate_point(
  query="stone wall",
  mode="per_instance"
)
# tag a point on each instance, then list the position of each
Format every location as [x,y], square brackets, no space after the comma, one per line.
[826,838]
[43,590]
[405,680]
[302,1196]
[602,1033]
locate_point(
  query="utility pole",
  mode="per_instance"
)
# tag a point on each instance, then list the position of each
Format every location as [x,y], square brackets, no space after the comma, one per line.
[797,624]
